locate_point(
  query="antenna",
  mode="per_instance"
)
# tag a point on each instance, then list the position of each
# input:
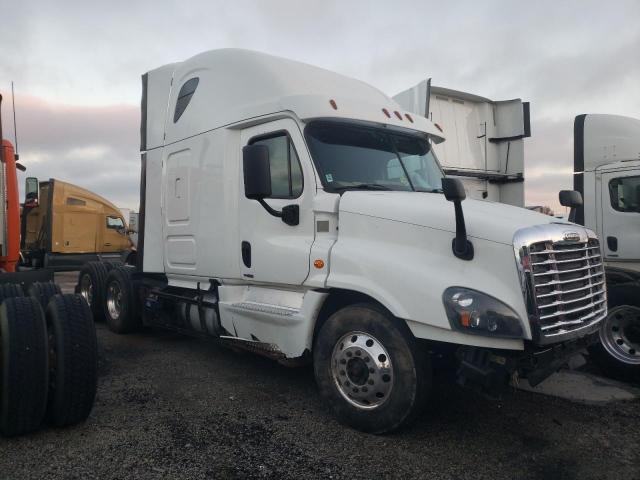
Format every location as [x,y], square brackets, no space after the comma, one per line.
[15,127]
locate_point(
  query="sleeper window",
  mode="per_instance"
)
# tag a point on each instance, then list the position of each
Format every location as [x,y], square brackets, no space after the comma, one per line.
[76,202]
[184,97]
[286,173]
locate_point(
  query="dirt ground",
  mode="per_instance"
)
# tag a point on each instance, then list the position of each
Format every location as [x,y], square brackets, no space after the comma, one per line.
[176,407]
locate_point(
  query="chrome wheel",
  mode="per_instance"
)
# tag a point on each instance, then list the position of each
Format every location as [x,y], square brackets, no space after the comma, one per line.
[362,370]
[86,288]
[114,300]
[620,334]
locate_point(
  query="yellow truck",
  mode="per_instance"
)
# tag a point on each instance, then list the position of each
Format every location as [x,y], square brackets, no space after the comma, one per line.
[64,226]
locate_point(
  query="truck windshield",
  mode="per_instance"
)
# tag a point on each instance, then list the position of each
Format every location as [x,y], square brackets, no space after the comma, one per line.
[351,157]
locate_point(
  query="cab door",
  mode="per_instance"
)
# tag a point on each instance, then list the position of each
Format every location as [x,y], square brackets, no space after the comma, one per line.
[620,202]
[113,234]
[269,249]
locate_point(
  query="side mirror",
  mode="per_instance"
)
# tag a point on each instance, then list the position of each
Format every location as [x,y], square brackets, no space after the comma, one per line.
[257,171]
[31,186]
[571,199]
[453,189]
[454,192]
[256,168]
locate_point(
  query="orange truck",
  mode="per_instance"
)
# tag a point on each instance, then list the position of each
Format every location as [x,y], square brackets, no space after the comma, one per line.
[10,221]
[48,346]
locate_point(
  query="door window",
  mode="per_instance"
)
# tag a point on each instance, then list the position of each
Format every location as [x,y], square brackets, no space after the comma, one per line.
[115,223]
[625,194]
[286,172]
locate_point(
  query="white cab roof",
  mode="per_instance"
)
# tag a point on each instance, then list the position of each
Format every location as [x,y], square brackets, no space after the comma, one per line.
[607,139]
[236,85]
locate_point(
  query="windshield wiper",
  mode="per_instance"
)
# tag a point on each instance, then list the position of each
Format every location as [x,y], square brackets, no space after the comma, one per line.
[362,186]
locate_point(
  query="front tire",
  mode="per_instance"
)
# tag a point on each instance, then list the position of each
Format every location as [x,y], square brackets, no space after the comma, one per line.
[369,369]
[618,353]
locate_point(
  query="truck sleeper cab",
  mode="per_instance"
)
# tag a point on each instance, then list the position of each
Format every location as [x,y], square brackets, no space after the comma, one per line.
[303,215]
[607,173]
[64,226]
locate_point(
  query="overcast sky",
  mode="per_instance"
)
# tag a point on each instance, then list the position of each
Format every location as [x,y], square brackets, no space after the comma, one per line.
[77,67]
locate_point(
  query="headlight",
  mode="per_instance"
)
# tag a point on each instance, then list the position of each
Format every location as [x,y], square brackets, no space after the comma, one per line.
[475,312]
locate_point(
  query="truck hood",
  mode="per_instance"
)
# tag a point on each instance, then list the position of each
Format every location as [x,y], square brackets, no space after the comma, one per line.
[486,220]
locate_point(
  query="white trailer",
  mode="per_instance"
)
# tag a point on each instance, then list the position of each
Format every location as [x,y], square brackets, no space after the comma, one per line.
[607,174]
[485,139]
[304,215]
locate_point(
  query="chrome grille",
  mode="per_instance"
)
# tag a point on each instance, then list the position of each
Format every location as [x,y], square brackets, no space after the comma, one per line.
[567,285]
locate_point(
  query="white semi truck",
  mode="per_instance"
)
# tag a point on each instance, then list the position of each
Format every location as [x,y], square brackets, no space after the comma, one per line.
[304,215]
[607,173]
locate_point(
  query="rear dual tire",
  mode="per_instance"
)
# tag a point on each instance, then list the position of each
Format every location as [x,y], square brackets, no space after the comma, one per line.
[73,369]
[91,285]
[43,291]
[24,366]
[10,290]
[120,305]
[48,362]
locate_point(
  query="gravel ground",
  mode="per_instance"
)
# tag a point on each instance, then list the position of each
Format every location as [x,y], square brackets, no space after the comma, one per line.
[176,407]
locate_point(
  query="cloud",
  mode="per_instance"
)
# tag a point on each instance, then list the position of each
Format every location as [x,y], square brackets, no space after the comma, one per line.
[77,66]
[94,147]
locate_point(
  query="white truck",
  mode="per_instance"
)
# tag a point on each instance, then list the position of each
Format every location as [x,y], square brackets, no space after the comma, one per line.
[485,138]
[607,174]
[304,215]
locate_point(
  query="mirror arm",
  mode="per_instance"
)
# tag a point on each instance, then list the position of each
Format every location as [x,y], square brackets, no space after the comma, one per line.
[268,208]
[462,247]
[289,214]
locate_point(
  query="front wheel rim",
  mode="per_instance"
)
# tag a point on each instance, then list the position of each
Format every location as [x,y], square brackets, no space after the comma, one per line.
[86,288]
[620,334]
[114,300]
[362,370]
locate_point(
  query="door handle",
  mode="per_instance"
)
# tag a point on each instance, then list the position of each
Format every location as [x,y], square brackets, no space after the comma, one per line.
[246,253]
[107,244]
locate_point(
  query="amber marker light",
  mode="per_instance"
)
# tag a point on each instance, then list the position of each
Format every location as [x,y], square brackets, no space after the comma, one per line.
[386,112]
[318,263]
[398,115]
[333,103]
[408,117]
